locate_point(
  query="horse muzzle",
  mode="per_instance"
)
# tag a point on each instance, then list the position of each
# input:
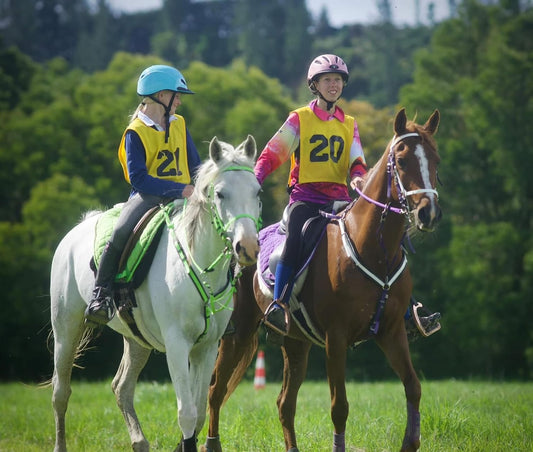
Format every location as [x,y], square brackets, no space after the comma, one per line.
[427,214]
[247,251]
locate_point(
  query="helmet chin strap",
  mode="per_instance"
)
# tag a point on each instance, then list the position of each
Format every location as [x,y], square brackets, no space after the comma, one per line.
[329,104]
[167,112]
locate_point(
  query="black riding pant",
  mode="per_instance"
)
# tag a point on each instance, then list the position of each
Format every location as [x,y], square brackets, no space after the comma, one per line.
[299,212]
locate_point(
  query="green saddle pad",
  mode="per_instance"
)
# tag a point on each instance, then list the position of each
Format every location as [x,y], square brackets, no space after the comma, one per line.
[104,228]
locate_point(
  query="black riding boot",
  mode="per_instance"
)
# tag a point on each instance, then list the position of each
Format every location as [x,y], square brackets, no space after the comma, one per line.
[101,309]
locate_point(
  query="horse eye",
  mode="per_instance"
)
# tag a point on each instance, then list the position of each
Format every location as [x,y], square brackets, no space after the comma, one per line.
[220,195]
[401,162]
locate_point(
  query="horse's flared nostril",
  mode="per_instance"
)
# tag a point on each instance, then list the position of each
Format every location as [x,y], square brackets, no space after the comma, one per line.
[424,216]
[427,215]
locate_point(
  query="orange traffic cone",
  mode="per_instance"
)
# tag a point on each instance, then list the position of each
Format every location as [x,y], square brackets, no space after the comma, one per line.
[260,376]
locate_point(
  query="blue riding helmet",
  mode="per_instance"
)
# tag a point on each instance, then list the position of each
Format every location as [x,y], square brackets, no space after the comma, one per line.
[160,77]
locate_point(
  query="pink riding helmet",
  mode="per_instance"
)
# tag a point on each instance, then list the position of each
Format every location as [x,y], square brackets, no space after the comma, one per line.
[327,64]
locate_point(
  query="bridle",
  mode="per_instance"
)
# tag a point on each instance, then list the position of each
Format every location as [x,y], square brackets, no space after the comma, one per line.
[392,274]
[219,300]
[219,225]
[393,174]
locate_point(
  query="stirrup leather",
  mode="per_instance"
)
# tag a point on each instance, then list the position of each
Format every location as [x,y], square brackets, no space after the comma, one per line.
[436,327]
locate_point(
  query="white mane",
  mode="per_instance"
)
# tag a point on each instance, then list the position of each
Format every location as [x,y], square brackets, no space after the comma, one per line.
[196,210]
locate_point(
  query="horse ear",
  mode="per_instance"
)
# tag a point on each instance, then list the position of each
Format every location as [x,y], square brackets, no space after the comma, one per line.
[400,122]
[250,147]
[215,149]
[432,123]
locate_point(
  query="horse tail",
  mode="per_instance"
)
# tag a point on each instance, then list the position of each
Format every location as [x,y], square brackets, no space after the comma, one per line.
[86,337]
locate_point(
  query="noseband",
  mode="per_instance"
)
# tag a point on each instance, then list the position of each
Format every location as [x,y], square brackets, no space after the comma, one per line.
[392,173]
[218,223]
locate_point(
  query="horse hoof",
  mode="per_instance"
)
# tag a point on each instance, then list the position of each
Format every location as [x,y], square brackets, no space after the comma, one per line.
[211,445]
[411,447]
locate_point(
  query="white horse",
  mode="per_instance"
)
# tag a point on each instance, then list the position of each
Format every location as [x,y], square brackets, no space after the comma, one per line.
[184,304]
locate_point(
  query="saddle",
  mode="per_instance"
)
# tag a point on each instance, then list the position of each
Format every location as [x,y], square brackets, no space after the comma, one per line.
[135,260]
[139,251]
[271,241]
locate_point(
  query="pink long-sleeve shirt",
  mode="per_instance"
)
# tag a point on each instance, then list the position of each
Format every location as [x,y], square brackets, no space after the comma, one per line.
[287,141]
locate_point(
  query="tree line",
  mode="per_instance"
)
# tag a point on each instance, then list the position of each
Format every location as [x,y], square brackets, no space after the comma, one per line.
[279,37]
[61,124]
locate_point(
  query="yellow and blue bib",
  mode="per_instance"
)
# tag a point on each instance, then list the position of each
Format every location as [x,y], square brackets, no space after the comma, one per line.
[166,161]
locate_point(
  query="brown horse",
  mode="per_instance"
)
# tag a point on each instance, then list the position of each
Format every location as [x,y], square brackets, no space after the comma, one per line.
[357,288]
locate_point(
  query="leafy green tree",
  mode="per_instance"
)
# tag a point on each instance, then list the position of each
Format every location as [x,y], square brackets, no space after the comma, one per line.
[476,73]
[16,71]
[232,103]
[53,208]
[97,41]
[295,49]
[42,108]
[379,58]
[45,29]
[219,91]
[24,308]
[375,127]
[274,36]
[55,205]
[72,123]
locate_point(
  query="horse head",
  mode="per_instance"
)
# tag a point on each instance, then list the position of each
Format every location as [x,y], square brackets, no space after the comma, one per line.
[412,163]
[234,193]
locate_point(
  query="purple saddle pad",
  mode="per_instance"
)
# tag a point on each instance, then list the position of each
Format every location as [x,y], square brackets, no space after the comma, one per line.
[269,240]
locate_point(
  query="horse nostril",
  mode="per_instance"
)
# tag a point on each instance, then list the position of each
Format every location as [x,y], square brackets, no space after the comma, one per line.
[423,216]
[428,216]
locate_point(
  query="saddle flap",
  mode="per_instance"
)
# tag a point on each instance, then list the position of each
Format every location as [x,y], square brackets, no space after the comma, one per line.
[272,240]
[144,238]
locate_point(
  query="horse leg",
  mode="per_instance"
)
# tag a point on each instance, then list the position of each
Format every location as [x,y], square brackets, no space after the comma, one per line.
[396,350]
[134,359]
[295,355]
[235,353]
[68,329]
[178,351]
[64,355]
[336,369]
[202,360]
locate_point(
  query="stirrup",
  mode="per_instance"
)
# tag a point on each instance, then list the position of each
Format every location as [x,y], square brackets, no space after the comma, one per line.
[431,328]
[101,308]
[277,328]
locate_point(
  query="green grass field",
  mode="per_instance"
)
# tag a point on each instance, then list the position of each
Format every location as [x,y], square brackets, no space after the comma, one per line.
[456,416]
